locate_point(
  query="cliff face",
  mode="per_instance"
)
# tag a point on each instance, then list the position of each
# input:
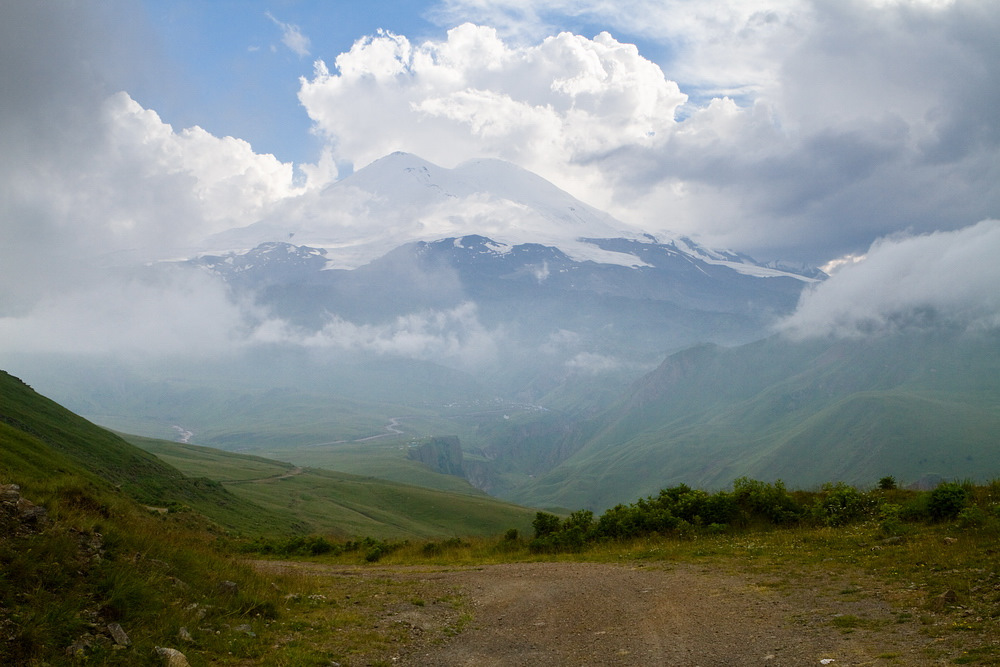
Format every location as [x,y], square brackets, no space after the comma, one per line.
[441,454]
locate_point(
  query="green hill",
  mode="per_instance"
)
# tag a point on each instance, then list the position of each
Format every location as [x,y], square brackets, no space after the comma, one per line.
[107,551]
[247,494]
[341,504]
[909,405]
[43,440]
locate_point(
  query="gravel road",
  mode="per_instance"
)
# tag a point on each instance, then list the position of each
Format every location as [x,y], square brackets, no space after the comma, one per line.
[576,614]
[600,614]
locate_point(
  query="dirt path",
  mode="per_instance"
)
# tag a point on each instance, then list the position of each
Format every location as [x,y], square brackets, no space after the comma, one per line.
[674,614]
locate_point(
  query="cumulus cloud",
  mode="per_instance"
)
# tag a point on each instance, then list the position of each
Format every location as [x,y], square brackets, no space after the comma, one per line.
[718,47]
[797,129]
[943,278]
[91,182]
[550,107]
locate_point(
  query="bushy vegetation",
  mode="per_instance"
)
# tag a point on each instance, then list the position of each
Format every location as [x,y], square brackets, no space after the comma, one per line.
[683,511]
[318,545]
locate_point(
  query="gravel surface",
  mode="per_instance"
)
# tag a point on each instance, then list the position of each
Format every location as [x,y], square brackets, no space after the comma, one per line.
[659,614]
[600,614]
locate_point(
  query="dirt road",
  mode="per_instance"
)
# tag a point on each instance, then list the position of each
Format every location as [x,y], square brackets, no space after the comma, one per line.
[598,614]
[661,614]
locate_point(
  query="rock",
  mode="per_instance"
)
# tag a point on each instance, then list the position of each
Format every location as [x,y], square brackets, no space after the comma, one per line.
[950,540]
[229,587]
[185,636]
[947,599]
[118,634]
[77,649]
[172,657]
[178,583]
[246,629]
[30,512]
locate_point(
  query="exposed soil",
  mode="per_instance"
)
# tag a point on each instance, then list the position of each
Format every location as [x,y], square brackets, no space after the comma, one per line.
[658,614]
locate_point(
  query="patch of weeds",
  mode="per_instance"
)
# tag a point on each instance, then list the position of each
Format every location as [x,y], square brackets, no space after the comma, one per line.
[459,625]
[848,622]
[980,654]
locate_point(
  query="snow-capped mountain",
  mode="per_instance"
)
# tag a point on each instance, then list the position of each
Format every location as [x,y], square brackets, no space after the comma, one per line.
[489,261]
[401,199]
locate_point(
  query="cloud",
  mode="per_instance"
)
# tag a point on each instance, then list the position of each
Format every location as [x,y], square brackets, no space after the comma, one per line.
[132,315]
[450,336]
[291,37]
[795,129]
[717,47]
[943,278]
[550,107]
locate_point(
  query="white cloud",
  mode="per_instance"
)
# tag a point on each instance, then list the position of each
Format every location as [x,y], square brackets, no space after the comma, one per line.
[131,316]
[812,127]
[224,180]
[719,47]
[948,278]
[292,37]
[453,336]
[550,107]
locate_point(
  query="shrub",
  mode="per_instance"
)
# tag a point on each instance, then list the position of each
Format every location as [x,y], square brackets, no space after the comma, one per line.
[890,522]
[887,483]
[762,500]
[545,524]
[838,504]
[972,517]
[947,500]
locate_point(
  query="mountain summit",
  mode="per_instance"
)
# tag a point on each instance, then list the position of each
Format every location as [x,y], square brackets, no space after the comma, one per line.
[402,198]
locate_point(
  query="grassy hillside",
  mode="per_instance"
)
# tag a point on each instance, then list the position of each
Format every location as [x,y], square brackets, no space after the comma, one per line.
[906,405]
[80,551]
[44,439]
[340,504]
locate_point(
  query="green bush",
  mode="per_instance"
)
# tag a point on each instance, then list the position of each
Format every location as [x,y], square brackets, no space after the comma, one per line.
[972,517]
[545,524]
[947,500]
[887,483]
[771,503]
[838,504]
[890,521]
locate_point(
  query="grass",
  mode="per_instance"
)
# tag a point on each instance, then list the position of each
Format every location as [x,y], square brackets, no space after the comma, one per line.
[340,504]
[101,557]
[852,566]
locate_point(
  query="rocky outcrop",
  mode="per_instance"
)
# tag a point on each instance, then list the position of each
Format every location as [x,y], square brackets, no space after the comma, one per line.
[18,515]
[441,454]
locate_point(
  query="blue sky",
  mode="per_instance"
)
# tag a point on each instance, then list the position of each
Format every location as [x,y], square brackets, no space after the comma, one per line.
[226,66]
[227,69]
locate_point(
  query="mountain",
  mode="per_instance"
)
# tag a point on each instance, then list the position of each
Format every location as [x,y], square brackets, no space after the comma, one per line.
[401,199]
[466,302]
[913,405]
[503,274]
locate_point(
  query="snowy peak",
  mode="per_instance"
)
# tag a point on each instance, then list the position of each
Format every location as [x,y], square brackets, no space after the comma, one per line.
[401,199]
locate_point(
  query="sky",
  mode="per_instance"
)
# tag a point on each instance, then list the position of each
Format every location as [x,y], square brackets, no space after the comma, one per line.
[816,131]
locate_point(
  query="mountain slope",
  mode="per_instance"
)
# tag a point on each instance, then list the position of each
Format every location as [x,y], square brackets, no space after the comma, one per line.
[250,494]
[908,405]
[43,438]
